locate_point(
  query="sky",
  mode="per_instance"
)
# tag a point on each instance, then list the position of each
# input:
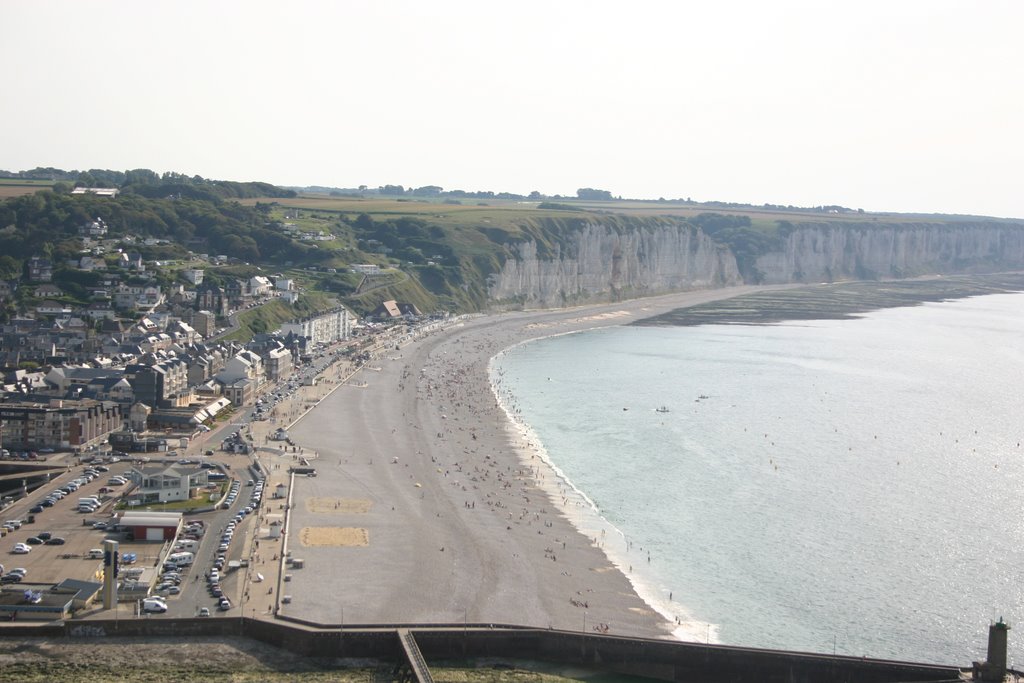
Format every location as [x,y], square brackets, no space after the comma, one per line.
[909,106]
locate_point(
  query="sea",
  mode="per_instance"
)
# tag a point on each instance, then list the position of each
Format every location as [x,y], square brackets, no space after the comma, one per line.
[834,486]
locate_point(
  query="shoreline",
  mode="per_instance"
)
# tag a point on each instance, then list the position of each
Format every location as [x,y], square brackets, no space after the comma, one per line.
[424,468]
[573,502]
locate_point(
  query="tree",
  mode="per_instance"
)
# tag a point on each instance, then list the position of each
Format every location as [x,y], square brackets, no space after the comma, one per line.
[592,194]
[9,267]
[141,176]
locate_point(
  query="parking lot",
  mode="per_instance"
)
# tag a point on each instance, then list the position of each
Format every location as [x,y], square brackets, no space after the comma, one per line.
[68,536]
[48,564]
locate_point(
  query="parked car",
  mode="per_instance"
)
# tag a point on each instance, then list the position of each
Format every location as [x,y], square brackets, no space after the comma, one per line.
[33,540]
[45,535]
[154,605]
[56,540]
[21,549]
[204,612]
[36,509]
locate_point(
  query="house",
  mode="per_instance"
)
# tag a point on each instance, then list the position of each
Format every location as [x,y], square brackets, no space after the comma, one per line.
[144,525]
[204,322]
[99,310]
[40,269]
[193,275]
[48,290]
[96,228]
[210,297]
[259,286]
[392,310]
[53,308]
[164,484]
[98,191]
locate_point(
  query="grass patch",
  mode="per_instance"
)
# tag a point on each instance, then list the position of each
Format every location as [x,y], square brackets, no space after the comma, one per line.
[200,501]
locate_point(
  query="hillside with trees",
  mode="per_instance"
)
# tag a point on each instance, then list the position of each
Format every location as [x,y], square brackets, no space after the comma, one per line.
[433,247]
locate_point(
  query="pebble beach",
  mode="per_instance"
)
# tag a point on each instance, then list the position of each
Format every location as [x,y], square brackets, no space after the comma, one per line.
[431,505]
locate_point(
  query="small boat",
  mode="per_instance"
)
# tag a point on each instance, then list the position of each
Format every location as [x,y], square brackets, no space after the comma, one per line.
[662,409]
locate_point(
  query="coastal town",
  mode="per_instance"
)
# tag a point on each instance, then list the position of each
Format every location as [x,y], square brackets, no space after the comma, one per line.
[139,408]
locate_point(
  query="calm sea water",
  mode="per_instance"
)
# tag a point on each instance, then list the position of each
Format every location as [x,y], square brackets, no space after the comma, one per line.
[835,485]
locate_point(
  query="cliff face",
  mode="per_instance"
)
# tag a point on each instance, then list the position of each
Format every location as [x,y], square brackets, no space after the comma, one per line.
[602,262]
[823,253]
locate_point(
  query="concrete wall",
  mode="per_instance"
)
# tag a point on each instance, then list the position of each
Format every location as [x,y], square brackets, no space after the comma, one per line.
[656,659]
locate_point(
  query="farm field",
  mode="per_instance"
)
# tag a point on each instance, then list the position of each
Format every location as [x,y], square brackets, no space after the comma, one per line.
[502,212]
[16,187]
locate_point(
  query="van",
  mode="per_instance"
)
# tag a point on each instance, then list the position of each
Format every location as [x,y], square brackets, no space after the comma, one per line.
[180,559]
[91,500]
[96,554]
[187,546]
[154,605]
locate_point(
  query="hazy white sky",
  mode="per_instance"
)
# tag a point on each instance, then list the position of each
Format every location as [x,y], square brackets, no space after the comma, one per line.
[903,106]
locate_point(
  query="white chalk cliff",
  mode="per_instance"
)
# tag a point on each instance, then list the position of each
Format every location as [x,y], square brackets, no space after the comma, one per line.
[821,253]
[600,261]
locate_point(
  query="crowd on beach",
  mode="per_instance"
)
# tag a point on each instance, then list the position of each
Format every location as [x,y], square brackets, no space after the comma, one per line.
[469,436]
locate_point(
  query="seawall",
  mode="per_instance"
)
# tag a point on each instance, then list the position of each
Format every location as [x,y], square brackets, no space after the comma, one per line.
[447,643]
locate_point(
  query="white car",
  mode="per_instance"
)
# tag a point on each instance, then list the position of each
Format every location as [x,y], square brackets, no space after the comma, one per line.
[154,605]
[21,549]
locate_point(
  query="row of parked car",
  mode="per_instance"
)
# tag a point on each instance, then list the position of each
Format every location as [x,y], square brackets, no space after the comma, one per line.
[14,576]
[213,578]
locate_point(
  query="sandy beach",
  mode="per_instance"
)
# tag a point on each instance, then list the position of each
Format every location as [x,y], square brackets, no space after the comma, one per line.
[430,506]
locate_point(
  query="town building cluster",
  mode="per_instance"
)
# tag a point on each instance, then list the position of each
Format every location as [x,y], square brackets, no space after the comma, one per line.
[139,359]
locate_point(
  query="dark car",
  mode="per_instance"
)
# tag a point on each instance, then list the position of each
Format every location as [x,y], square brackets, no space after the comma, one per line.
[33,540]
[57,540]
[47,502]
[45,535]
[36,509]
[10,578]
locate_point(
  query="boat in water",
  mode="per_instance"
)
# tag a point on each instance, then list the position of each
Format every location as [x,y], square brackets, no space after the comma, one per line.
[662,409]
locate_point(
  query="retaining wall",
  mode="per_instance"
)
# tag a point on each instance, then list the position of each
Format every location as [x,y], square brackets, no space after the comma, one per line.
[656,659]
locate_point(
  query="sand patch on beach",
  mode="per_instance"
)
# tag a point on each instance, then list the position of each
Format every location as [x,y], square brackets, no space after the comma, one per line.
[336,536]
[343,506]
